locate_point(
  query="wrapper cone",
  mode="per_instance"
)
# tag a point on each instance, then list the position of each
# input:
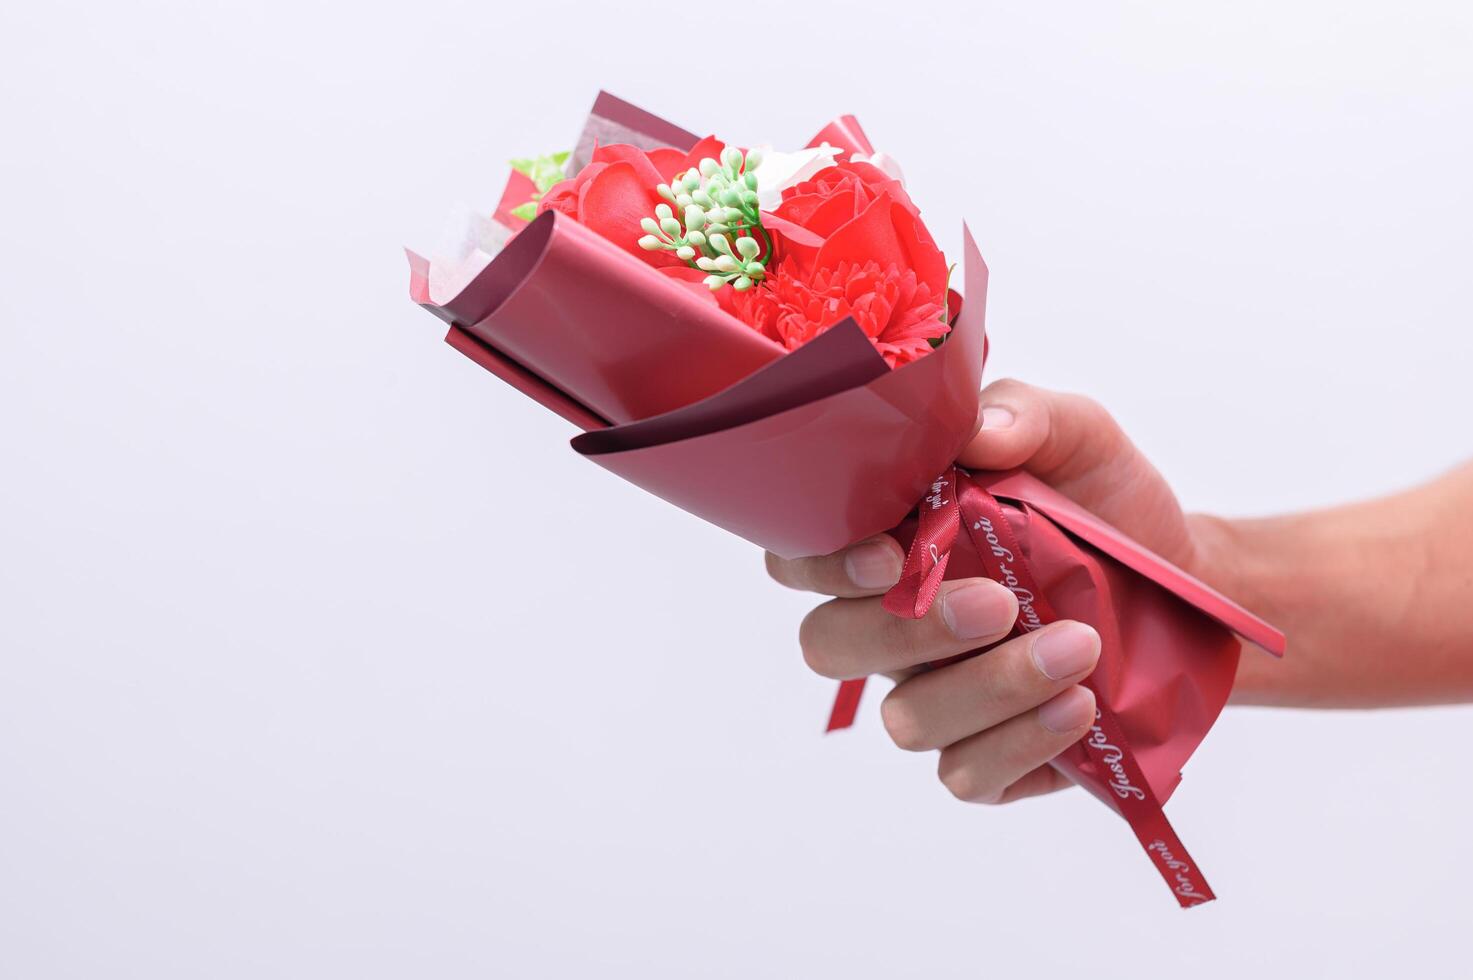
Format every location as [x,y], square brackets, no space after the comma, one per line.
[805,452]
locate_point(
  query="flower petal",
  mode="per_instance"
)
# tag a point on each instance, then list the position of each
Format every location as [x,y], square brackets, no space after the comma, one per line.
[837,212]
[708,147]
[920,248]
[648,174]
[668,162]
[613,203]
[868,238]
[881,182]
[795,233]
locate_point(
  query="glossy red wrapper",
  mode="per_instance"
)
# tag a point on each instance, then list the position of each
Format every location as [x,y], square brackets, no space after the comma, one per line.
[805,452]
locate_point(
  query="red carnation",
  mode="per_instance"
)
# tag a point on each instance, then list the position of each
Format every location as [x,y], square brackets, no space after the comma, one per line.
[898,313]
[877,264]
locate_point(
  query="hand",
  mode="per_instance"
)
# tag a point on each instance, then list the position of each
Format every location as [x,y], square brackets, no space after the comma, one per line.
[998,719]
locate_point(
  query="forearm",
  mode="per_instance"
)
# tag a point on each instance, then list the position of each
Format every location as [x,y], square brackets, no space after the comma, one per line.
[1376,598]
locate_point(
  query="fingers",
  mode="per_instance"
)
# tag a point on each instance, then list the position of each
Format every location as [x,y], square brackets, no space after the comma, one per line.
[937,708]
[1056,436]
[867,568]
[1044,779]
[1001,763]
[847,638]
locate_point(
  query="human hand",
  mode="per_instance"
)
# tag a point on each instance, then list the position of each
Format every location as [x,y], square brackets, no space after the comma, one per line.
[998,719]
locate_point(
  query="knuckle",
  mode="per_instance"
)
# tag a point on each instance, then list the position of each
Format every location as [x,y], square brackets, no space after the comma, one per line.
[964,782]
[817,652]
[1097,419]
[955,779]
[791,572]
[1086,405]
[903,723]
[774,567]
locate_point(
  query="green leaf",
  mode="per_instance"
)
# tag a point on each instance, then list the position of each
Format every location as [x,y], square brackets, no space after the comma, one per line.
[526,211]
[544,171]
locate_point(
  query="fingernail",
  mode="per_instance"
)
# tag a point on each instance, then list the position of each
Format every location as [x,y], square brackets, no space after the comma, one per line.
[1066,650]
[996,417]
[1067,712]
[872,565]
[978,609]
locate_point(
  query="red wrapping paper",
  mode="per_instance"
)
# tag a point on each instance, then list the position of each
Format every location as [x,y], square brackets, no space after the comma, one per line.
[966,528]
[805,452]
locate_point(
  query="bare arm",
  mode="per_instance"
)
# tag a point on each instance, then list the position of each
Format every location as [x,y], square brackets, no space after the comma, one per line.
[1376,597]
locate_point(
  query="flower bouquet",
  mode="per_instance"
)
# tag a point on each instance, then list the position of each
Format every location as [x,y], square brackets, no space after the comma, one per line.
[692,305]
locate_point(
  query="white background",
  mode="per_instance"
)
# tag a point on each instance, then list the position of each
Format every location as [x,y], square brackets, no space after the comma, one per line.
[321,655]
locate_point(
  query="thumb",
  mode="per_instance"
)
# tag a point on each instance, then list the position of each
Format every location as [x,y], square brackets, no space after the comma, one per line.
[1056,437]
[1074,445]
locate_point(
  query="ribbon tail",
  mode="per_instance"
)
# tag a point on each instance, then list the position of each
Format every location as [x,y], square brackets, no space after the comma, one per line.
[1170,856]
[1115,767]
[846,704]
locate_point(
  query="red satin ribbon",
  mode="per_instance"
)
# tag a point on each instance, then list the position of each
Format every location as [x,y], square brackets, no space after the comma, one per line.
[956,502]
[920,578]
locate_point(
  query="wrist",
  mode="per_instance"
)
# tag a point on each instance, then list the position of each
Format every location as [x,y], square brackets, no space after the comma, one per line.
[1228,560]
[1217,556]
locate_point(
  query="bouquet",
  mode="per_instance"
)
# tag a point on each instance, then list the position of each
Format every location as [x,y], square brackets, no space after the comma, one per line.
[688,304]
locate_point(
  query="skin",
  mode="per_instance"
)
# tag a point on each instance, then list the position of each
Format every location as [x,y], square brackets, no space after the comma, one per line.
[1376,599]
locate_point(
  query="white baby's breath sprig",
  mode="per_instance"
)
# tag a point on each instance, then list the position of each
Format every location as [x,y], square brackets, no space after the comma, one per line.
[735,264]
[710,217]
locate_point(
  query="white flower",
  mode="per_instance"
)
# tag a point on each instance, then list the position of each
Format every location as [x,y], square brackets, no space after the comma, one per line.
[778,171]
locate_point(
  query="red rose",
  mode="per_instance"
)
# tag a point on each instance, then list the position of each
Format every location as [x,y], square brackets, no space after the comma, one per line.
[838,194]
[617,189]
[877,263]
